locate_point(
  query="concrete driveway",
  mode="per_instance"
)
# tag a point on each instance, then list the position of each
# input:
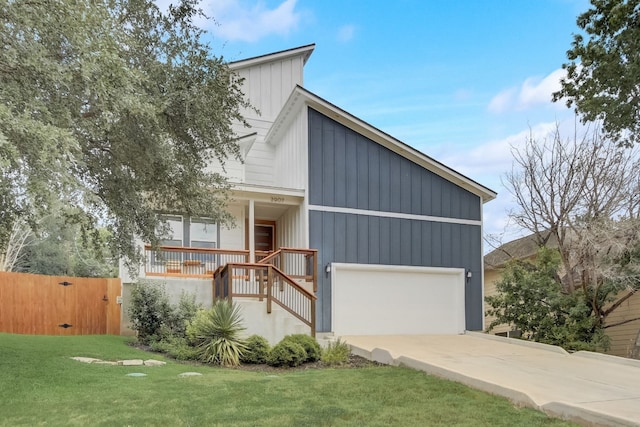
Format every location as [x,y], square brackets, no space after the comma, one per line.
[589,388]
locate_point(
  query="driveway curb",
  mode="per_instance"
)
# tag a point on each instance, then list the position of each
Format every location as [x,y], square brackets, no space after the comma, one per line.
[564,410]
[515,341]
[607,358]
[515,396]
[584,416]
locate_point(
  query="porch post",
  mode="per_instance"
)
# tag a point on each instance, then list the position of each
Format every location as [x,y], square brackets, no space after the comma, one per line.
[252,232]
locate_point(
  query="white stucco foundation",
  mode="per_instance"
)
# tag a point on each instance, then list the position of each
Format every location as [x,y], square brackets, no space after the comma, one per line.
[273,326]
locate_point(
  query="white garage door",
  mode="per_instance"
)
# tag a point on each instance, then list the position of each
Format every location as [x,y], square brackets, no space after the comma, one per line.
[390,300]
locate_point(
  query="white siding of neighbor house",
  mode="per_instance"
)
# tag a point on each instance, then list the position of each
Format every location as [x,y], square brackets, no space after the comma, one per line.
[491,277]
[290,163]
[291,229]
[624,337]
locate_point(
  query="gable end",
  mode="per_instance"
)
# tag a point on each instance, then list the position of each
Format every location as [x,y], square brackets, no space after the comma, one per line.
[349,170]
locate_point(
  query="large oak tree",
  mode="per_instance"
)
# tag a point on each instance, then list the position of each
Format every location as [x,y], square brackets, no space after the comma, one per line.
[603,72]
[114,108]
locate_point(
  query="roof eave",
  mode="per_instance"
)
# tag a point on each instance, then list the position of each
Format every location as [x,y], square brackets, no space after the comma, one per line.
[305,51]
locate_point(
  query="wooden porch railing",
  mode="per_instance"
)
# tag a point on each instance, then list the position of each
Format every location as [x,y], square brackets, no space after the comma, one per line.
[298,264]
[192,262]
[266,282]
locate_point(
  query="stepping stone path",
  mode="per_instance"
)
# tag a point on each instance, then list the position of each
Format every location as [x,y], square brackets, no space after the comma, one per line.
[127,362]
[86,359]
[133,362]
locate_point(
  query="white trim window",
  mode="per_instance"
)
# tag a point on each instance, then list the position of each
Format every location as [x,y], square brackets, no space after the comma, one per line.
[190,232]
[203,233]
[176,234]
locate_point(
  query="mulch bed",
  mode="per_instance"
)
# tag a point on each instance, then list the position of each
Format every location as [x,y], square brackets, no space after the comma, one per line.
[354,362]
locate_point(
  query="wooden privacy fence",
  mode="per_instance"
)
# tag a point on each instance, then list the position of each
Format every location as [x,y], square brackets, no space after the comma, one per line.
[53,305]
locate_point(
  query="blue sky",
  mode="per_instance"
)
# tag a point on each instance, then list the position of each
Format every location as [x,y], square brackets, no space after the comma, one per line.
[461,81]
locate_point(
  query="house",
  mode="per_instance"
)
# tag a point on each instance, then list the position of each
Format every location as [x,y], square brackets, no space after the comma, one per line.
[524,248]
[624,338]
[366,233]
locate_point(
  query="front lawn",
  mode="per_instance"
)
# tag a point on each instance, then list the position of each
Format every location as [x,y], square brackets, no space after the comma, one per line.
[41,385]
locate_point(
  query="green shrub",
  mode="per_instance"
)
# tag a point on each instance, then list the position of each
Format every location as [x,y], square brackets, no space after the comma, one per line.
[336,353]
[149,310]
[257,350]
[160,346]
[184,312]
[310,345]
[154,318]
[287,353]
[531,298]
[177,348]
[164,333]
[216,333]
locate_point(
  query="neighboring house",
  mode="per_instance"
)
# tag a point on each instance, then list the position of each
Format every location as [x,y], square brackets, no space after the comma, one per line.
[625,338]
[388,239]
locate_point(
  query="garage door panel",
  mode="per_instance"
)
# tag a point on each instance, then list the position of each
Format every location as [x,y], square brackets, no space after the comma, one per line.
[384,300]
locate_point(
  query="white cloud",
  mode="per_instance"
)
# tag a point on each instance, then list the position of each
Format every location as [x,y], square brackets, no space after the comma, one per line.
[502,101]
[248,21]
[494,158]
[346,33]
[533,92]
[489,162]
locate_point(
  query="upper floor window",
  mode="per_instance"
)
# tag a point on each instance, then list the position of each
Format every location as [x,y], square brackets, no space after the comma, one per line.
[190,232]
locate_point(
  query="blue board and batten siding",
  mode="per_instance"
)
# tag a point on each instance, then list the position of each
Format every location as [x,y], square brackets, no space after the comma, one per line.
[369,205]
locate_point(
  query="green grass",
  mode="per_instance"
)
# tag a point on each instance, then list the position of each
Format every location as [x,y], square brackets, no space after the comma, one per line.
[41,385]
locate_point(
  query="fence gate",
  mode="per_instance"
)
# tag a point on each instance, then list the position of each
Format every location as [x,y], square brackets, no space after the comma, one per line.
[52,305]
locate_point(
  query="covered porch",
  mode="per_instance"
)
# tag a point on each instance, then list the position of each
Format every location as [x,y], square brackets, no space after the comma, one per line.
[265,219]
[262,261]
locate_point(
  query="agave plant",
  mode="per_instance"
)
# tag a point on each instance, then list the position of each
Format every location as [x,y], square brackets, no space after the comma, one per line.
[216,332]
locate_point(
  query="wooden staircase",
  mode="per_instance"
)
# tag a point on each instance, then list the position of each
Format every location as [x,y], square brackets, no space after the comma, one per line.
[286,278]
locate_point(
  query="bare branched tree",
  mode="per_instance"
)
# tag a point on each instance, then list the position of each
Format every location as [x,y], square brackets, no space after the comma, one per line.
[585,193]
[18,239]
